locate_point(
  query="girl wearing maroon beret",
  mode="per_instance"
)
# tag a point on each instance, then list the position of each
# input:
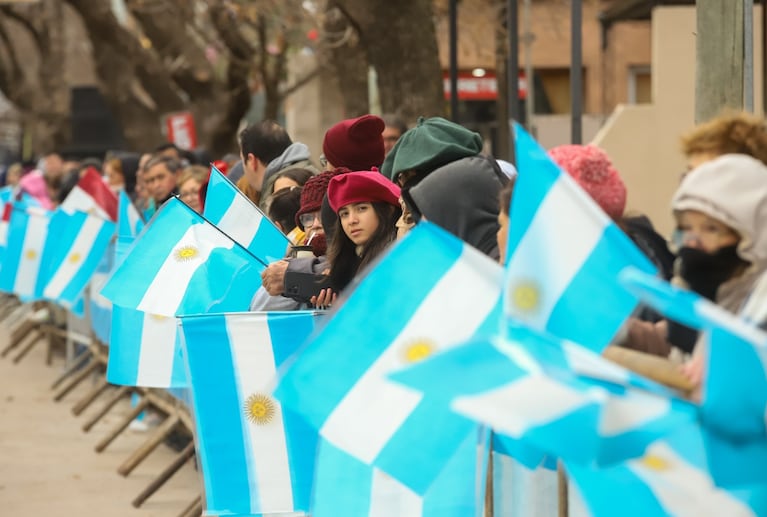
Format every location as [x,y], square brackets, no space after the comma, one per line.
[367,205]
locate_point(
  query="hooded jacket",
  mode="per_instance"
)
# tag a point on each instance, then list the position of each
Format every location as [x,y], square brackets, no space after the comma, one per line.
[462,198]
[296,155]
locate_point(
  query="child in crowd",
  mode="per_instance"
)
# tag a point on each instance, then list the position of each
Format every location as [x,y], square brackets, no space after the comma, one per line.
[367,208]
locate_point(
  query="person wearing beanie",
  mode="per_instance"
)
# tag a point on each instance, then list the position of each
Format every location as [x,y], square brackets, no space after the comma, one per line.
[432,143]
[367,208]
[592,169]
[356,144]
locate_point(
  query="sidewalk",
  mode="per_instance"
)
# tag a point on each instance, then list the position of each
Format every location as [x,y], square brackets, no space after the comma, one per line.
[48,465]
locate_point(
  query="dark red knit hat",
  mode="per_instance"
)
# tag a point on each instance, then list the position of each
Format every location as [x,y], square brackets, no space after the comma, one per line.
[313,192]
[361,187]
[355,143]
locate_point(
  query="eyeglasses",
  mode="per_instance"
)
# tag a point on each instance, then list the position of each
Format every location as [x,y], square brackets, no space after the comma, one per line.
[307,220]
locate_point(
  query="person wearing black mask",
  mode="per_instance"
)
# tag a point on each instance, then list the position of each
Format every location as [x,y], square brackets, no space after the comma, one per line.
[721,213]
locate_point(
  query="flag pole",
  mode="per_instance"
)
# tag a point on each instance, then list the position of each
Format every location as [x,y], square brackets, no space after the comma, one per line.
[562,496]
[489,512]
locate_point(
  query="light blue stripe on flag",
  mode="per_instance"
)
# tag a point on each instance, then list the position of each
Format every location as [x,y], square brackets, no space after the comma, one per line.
[79,242]
[257,457]
[563,254]
[429,293]
[230,210]
[672,479]
[26,251]
[181,264]
[144,350]
[346,487]
[129,221]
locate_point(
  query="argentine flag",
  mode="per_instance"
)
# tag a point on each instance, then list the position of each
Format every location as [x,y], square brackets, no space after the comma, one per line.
[101,308]
[6,202]
[528,388]
[80,242]
[564,255]
[181,264]
[27,245]
[430,292]
[144,350]
[229,209]
[346,487]
[257,457]
[671,479]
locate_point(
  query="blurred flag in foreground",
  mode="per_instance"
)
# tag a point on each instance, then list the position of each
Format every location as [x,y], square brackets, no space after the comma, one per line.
[339,381]
[564,255]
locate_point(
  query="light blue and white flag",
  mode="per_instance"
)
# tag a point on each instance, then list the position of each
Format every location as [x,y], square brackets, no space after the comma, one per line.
[347,487]
[6,197]
[556,396]
[257,457]
[671,479]
[80,242]
[182,264]
[129,221]
[27,242]
[430,292]
[564,255]
[238,217]
[734,390]
[144,350]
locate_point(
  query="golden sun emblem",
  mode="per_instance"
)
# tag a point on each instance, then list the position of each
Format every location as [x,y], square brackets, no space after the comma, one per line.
[158,317]
[525,296]
[656,463]
[260,409]
[74,258]
[186,253]
[30,255]
[418,350]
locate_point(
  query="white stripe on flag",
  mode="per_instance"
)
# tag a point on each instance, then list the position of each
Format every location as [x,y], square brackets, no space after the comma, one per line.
[268,461]
[683,490]
[444,319]
[172,279]
[567,246]
[157,351]
[241,221]
[97,282]
[31,254]
[78,199]
[76,255]
[536,400]
[389,497]
[133,217]
[631,410]
[3,233]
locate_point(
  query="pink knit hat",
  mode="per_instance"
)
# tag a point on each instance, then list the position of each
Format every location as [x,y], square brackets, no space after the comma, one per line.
[591,168]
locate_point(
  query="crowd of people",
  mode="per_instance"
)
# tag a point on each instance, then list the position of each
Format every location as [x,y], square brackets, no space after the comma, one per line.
[374,179]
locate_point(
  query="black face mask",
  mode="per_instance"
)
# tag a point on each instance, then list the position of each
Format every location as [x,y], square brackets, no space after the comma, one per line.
[705,272]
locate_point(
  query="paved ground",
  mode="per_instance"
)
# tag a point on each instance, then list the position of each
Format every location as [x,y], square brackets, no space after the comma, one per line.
[47,463]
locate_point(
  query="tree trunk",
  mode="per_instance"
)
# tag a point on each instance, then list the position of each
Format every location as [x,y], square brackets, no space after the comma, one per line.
[348,60]
[400,40]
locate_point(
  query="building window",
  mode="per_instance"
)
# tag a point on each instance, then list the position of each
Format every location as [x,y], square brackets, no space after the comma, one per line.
[640,84]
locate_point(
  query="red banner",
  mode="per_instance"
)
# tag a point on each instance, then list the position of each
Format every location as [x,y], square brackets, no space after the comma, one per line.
[181,130]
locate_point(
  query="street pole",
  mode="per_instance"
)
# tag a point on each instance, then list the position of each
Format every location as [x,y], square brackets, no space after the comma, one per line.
[454,60]
[512,23]
[576,72]
[748,55]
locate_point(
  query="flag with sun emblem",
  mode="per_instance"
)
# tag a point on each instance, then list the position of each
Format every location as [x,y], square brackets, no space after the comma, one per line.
[347,487]
[671,479]
[430,292]
[238,217]
[557,397]
[564,255]
[182,264]
[79,242]
[27,239]
[256,456]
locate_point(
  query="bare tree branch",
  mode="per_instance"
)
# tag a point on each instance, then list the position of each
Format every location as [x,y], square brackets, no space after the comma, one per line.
[28,25]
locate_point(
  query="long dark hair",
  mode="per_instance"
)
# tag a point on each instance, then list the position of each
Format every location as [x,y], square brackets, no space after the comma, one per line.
[342,252]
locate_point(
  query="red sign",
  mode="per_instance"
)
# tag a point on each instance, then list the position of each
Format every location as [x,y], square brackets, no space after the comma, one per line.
[181,130]
[483,88]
